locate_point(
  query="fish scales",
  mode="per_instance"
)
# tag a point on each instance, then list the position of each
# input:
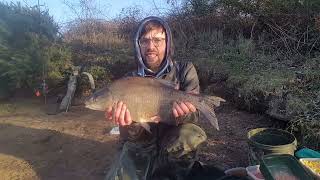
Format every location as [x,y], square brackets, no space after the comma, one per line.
[149,98]
[141,99]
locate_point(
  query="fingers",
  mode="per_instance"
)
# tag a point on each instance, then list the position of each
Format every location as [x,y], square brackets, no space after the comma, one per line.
[118,108]
[128,119]
[123,110]
[191,107]
[177,111]
[119,114]
[182,108]
[108,113]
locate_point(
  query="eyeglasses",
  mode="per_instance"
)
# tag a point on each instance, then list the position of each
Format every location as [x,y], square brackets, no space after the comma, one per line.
[155,41]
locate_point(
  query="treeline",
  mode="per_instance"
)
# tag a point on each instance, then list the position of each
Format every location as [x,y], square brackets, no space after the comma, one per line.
[289,26]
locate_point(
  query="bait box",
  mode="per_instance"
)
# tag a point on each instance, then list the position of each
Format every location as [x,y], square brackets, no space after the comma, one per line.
[317,175]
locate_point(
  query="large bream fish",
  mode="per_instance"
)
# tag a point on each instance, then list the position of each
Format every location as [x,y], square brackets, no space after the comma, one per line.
[149,97]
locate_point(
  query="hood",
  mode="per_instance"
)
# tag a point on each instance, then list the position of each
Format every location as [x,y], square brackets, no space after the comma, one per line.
[167,63]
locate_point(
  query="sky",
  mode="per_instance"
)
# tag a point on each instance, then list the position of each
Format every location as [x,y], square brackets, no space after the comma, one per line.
[107,9]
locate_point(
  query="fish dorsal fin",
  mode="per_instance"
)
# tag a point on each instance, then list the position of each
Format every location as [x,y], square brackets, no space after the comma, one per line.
[168,83]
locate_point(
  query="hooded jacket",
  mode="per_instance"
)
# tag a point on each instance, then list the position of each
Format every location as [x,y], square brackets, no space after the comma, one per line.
[167,63]
[181,73]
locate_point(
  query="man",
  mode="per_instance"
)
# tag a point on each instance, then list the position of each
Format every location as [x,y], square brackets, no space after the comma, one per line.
[168,152]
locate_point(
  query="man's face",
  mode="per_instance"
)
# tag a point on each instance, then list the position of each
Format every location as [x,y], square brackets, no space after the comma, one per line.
[153,48]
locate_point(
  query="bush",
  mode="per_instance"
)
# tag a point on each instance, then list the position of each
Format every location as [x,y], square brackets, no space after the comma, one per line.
[100,74]
[30,49]
[59,63]
[307,125]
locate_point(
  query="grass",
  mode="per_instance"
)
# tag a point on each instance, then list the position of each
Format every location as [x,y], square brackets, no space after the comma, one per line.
[257,76]
[18,106]
[7,109]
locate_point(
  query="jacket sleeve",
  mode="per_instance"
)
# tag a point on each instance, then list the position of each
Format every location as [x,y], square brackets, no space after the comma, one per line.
[190,83]
[189,78]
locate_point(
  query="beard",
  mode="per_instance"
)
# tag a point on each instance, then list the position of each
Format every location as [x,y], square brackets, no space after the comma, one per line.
[152,61]
[154,66]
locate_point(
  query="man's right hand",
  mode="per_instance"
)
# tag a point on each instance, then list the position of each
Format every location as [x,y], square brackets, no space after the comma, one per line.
[119,114]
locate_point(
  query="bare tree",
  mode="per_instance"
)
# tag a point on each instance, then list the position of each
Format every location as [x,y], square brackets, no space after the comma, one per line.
[88,20]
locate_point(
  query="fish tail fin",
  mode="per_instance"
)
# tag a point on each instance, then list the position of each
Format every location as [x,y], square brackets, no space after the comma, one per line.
[213,101]
[206,108]
[209,114]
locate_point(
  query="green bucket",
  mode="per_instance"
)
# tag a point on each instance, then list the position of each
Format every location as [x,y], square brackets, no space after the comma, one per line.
[263,141]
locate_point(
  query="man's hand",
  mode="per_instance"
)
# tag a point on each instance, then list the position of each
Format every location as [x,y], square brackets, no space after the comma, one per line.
[119,114]
[182,108]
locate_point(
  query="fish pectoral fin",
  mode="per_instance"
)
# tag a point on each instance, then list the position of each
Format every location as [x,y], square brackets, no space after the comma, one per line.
[143,122]
[146,126]
[155,119]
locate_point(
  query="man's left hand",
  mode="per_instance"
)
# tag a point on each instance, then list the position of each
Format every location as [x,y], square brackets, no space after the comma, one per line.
[182,108]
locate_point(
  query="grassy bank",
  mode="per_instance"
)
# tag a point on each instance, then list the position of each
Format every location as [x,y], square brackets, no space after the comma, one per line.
[265,83]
